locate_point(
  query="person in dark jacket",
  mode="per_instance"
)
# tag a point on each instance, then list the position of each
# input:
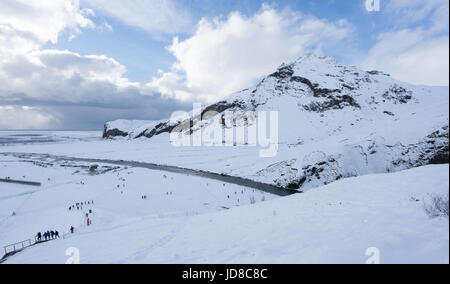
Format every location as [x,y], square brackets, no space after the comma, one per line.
[56,235]
[39,236]
[72,229]
[52,233]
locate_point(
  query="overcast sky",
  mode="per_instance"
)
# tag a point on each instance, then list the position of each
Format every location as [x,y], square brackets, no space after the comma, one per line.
[70,64]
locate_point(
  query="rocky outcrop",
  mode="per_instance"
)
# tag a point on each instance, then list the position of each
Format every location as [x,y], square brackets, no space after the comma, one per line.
[398,95]
[111,133]
[434,149]
[317,168]
[163,127]
[168,126]
[332,102]
[124,128]
[222,106]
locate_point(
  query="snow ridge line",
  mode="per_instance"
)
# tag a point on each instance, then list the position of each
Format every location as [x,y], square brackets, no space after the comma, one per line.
[276,190]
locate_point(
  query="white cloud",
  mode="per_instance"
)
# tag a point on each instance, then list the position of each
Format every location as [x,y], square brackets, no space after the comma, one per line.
[155,16]
[412,57]
[415,55]
[226,55]
[13,42]
[27,71]
[61,75]
[53,88]
[412,11]
[26,25]
[68,90]
[25,118]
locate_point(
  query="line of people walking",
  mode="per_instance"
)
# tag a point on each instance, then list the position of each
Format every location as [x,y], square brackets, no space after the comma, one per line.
[79,205]
[47,236]
[54,234]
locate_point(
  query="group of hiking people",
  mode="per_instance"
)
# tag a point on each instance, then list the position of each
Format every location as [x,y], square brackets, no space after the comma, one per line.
[47,236]
[51,235]
[79,205]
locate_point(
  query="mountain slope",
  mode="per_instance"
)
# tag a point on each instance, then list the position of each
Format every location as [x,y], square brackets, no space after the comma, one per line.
[337,121]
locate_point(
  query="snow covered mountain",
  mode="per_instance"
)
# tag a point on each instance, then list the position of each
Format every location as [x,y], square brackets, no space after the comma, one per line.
[342,133]
[335,121]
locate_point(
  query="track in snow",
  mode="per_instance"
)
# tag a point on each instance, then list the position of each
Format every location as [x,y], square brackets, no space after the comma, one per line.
[172,169]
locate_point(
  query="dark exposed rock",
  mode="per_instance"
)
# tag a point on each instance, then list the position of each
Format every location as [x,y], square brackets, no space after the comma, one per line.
[436,147]
[304,81]
[109,133]
[317,92]
[283,73]
[296,184]
[93,168]
[349,87]
[323,172]
[334,99]
[287,73]
[332,102]
[164,127]
[374,72]
[167,127]
[441,157]
[222,106]
[433,149]
[398,94]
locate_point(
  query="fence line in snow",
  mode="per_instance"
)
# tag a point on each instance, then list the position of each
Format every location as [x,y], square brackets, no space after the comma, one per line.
[32,183]
[18,246]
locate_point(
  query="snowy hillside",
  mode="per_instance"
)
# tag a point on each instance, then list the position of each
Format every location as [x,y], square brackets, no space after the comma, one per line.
[335,122]
[124,128]
[116,191]
[193,220]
